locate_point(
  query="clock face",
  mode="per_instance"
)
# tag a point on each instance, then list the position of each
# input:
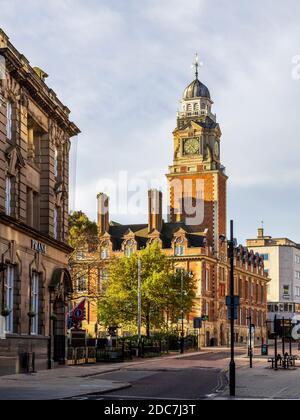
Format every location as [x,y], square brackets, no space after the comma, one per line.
[192,146]
[217,150]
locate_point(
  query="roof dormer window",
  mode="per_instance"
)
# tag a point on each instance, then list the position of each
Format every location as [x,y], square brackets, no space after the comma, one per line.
[179,247]
[129,248]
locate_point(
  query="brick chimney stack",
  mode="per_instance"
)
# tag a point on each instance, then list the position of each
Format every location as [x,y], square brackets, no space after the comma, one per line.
[155,210]
[103,213]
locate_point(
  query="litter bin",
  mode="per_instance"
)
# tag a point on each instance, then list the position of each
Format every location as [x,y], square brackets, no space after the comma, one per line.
[264,350]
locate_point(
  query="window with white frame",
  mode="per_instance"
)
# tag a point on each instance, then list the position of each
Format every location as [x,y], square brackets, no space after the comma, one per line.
[56,223]
[297,291]
[129,248]
[8,190]
[103,278]
[9,113]
[82,284]
[297,259]
[179,247]
[35,303]
[105,251]
[56,162]
[207,274]
[9,298]
[297,275]
[207,309]
[286,290]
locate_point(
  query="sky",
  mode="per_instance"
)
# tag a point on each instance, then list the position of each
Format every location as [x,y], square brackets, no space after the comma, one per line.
[122,66]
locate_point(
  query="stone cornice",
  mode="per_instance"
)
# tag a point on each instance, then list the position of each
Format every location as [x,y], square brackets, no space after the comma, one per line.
[20,69]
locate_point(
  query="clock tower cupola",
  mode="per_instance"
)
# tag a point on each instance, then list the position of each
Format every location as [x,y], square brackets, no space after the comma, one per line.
[197,180]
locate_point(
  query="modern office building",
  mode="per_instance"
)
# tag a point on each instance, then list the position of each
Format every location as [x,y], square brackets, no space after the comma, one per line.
[282,263]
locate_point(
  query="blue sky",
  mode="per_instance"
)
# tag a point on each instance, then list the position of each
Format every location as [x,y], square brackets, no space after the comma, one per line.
[121,67]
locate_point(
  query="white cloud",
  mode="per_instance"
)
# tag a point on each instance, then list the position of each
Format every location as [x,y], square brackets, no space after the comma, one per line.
[122,66]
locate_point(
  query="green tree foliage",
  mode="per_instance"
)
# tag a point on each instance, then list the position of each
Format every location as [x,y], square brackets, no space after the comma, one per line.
[83,237]
[162,294]
[82,232]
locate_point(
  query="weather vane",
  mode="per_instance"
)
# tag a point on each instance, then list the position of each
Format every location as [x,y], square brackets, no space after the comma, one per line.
[196,65]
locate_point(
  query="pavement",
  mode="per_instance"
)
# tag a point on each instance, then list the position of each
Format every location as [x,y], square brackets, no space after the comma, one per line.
[263,383]
[204,374]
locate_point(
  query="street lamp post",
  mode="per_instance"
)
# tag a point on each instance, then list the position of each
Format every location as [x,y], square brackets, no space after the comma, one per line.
[139,305]
[283,336]
[232,362]
[182,317]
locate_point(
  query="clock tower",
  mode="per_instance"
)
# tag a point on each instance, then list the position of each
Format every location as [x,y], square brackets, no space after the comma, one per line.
[197,180]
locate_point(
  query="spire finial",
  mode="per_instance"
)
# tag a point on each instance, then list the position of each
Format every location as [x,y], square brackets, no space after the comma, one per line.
[196,65]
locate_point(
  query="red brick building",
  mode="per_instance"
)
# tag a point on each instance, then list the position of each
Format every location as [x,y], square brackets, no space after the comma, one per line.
[196,221]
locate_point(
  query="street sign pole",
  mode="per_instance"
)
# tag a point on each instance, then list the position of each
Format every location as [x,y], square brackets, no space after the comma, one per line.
[232,362]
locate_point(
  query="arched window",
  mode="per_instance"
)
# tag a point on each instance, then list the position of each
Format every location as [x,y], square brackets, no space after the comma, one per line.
[203,105]
[129,248]
[196,107]
[189,107]
[179,247]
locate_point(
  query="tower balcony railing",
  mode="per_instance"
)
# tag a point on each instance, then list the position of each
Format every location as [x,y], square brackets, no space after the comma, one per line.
[202,113]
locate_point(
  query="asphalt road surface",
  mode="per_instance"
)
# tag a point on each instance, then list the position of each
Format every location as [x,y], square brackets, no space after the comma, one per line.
[183,384]
[176,383]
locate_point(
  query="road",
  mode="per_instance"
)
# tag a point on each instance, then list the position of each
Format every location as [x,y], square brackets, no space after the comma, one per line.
[185,378]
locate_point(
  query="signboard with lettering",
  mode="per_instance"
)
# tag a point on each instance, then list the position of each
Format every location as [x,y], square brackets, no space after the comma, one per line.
[38,246]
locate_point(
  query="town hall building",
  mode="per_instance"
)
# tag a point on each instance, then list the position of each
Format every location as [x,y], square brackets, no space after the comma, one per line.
[193,236]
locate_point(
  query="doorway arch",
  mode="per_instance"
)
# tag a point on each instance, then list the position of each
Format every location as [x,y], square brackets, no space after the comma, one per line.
[60,296]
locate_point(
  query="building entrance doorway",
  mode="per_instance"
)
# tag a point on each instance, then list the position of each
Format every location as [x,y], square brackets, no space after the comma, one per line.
[60,289]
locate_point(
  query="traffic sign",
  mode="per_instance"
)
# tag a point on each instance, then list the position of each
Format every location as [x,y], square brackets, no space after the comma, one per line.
[197,323]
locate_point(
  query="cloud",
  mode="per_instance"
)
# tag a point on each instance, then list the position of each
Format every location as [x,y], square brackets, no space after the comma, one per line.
[121,67]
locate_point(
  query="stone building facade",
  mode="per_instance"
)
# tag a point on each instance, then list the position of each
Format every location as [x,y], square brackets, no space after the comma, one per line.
[35,284]
[193,237]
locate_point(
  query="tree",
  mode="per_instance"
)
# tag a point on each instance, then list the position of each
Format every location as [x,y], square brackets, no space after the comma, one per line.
[82,232]
[161,291]
[83,238]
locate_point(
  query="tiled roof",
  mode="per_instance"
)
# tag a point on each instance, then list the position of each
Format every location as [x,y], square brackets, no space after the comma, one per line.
[117,232]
